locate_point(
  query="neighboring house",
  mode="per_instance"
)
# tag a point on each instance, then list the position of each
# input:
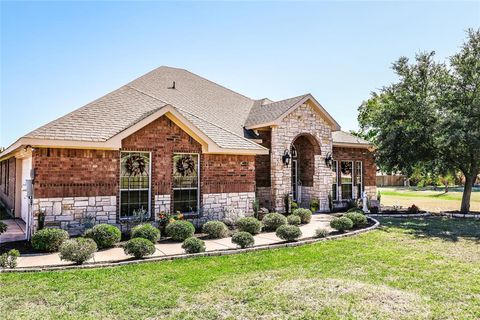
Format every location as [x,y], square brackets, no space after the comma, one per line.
[173,141]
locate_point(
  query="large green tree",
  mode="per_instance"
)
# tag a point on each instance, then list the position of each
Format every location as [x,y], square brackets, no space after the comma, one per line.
[430,117]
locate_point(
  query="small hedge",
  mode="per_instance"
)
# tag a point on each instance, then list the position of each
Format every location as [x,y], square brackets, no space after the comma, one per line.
[294,220]
[359,220]
[273,220]
[250,225]
[288,232]
[9,259]
[321,233]
[78,250]
[341,224]
[243,239]
[139,247]
[193,245]
[49,240]
[146,231]
[104,235]
[3,227]
[215,229]
[413,209]
[355,209]
[180,230]
[304,214]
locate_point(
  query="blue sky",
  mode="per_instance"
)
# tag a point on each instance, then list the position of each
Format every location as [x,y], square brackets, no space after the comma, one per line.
[58,56]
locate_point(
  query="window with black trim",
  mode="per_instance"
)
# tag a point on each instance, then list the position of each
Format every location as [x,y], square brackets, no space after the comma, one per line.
[334,180]
[185,183]
[359,178]
[346,179]
[134,184]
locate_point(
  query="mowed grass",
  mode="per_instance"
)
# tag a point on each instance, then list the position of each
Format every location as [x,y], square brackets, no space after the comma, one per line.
[429,200]
[407,269]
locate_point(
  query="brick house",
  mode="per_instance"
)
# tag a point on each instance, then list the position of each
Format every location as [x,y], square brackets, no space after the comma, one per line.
[173,141]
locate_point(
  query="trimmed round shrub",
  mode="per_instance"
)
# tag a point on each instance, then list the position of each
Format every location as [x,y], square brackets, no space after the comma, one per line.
[359,220]
[139,247]
[49,240]
[274,220]
[146,231]
[304,214]
[78,250]
[413,209]
[215,229]
[180,230]
[250,225]
[243,239]
[355,209]
[288,232]
[321,233]
[294,205]
[294,220]
[193,245]
[341,224]
[104,235]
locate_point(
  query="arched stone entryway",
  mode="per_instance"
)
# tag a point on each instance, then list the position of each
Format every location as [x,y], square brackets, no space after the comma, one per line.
[304,149]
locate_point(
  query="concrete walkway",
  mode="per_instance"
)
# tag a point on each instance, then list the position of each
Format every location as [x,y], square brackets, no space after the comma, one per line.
[171,249]
[15,231]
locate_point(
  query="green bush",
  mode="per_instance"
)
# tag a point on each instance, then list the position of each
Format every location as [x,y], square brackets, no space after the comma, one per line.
[104,235]
[78,250]
[3,227]
[243,239]
[314,205]
[359,220]
[180,230]
[355,209]
[288,232]
[146,231]
[250,225]
[193,245]
[139,247]
[9,259]
[215,229]
[413,209]
[49,240]
[321,233]
[341,224]
[294,220]
[273,220]
[294,205]
[304,214]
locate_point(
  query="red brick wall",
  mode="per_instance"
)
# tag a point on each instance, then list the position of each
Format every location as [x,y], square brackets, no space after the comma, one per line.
[228,173]
[262,162]
[359,154]
[75,172]
[162,137]
[7,183]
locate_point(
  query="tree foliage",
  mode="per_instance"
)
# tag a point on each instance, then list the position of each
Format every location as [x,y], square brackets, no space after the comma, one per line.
[429,119]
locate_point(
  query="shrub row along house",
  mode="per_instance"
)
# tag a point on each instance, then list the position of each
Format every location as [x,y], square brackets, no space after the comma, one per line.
[173,141]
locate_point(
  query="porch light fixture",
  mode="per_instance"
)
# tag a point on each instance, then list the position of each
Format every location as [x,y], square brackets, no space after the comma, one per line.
[286,158]
[329,160]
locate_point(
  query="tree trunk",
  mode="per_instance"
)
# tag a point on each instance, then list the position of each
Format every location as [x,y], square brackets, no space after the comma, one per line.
[467,192]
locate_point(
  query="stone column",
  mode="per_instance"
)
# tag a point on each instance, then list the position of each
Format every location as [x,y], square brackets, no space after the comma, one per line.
[280,173]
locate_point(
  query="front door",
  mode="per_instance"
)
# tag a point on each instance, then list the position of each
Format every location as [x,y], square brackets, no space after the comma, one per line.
[295,195]
[25,204]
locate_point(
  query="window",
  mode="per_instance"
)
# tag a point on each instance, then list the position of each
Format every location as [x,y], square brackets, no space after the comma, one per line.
[134,184]
[346,179]
[185,183]
[358,178]
[334,179]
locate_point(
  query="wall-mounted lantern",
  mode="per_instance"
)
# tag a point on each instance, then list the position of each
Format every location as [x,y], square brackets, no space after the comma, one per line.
[329,160]
[286,158]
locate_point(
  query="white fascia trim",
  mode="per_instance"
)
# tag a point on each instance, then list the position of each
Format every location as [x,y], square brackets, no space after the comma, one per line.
[353,145]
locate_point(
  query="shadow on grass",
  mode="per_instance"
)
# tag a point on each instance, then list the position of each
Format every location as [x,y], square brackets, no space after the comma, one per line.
[447,229]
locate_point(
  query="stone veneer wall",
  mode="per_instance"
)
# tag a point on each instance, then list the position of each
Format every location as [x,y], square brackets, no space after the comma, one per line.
[216,202]
[70,213]
[264,196]
[304,120]
[162,204]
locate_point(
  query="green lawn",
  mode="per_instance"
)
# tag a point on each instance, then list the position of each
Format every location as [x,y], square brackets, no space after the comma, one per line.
[428,199]
[409,269]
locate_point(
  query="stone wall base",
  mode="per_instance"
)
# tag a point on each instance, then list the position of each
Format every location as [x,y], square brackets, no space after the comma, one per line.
[72,213]
[264,196]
